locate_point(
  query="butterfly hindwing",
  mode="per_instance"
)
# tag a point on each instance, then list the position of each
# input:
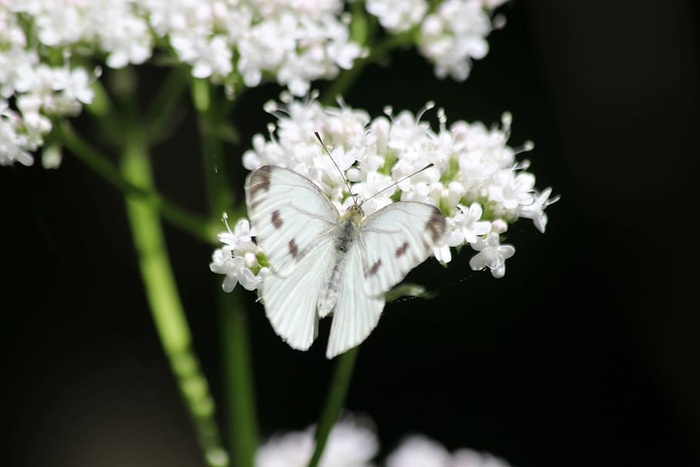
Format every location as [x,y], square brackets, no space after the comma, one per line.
[356,313]
[396,239]
[290,301]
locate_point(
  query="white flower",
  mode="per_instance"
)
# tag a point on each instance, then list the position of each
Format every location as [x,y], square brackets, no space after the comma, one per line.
[455,34]
[535,210]
[397,15]
[291,41]
[469,458]
[351,443]
[14,146]
[419,451]
[467,225]
[114,26]
[512,190]
[238,259]
[491,255]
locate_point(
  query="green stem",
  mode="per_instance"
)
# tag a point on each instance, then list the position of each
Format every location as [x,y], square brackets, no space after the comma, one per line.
[161,291]
[238,379]
[334,401]
[239,384]
[99,164]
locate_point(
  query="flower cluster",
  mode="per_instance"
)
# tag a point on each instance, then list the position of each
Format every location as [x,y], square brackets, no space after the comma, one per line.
[474,179]
[46,45]
[31,90]
[352,442]
[296,42]
[450,35]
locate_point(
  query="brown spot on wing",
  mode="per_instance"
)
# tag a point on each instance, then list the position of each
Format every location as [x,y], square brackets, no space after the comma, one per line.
[259,184]
[373,270]
[400,251]
[436,226]
[293,248]
[276,219]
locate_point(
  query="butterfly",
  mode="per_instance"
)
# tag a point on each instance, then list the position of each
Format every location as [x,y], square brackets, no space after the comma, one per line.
[324,263]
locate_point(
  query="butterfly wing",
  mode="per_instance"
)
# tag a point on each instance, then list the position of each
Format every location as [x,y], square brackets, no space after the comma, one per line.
[290,301]
[356,313]
[396,239]
[292,221]
[288,213]
[392,241]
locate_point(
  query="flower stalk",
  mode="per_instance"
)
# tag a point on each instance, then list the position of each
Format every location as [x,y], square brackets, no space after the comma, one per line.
[164,301]
[340,384]
[238,385]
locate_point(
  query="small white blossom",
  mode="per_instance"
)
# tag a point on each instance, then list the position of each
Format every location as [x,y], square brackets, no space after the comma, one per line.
[14,145]
[397,15]
[419,451]
[535,210]
[491,255]
[238,259]
[467,225]
[454,35]
[469,458]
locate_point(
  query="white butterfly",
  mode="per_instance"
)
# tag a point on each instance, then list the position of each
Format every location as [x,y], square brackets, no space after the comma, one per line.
[322,262]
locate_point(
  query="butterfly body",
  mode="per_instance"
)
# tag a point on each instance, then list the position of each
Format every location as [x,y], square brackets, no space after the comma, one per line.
[322,262]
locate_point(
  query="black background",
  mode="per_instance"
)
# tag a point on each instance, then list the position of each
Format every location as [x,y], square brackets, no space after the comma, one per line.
[586,353]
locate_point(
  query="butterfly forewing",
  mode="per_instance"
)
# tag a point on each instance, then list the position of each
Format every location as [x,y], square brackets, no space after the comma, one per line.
[396,239]
[288,214]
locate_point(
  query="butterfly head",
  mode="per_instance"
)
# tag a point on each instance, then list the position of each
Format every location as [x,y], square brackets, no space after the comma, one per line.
[355,213]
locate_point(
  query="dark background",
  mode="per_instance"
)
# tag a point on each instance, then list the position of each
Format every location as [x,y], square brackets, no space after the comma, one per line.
[586,353]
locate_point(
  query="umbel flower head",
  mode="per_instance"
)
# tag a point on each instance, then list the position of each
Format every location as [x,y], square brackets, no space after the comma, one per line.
[475,179]
[52,51]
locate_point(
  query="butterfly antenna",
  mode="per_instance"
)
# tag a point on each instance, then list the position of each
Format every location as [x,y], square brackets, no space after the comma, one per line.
[399,181]
[345,180]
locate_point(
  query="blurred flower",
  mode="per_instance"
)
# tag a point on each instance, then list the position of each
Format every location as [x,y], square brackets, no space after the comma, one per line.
[46,46]
[351,443]
[420,451]
[454,34]
[397,15]
[469,458]
[50,50]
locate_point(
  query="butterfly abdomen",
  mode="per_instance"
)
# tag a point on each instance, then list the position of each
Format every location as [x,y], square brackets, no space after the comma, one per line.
[346,234]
